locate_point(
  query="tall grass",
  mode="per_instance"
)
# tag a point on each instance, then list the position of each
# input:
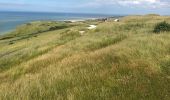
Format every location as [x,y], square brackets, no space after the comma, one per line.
[116,61]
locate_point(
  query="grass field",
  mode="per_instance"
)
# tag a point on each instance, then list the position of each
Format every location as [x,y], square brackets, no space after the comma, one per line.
[116,61]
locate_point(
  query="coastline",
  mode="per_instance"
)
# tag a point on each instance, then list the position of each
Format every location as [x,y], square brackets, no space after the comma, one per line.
[6,32]
[80,20]
[69,20]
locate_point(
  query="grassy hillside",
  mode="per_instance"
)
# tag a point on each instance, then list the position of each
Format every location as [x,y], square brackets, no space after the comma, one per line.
[116,61]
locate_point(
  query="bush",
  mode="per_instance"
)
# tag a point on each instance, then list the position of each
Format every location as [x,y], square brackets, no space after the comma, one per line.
[162,27]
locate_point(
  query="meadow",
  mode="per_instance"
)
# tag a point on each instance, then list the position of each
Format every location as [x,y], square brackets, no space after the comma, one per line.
[122,60]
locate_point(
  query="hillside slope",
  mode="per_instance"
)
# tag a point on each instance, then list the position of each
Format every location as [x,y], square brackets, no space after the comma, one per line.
[116,61]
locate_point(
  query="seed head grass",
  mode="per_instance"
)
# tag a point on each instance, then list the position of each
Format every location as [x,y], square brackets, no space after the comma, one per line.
[116,61]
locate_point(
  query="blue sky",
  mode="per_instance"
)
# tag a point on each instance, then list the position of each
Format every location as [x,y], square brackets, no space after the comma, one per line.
[89,6]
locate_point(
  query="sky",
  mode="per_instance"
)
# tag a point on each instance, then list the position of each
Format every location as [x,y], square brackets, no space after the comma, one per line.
[89,6]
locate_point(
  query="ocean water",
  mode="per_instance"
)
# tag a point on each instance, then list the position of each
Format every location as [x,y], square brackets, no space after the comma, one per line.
[10,20]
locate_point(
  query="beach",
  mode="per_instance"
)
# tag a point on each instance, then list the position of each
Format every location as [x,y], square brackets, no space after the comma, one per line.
[10,20]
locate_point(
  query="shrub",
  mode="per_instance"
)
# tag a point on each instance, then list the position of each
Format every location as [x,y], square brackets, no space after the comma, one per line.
[162,27]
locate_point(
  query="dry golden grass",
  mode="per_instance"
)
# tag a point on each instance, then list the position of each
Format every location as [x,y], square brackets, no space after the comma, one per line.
[117,61]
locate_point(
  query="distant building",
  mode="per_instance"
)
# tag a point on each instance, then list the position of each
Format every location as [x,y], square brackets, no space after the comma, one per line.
[109,19]
[102,19]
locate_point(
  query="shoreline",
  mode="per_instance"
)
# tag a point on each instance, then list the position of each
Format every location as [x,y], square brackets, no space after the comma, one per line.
[69,20]
[80,20]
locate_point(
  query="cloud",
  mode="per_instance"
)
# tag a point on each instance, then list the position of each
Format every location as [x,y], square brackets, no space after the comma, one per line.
[132,3]
[13,4]
[145,3]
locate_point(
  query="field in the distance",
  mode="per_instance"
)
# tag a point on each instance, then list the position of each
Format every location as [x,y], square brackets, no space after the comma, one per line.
[116,61]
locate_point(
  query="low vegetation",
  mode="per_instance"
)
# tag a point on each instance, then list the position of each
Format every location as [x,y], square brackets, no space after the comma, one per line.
[162,27]
[116,61]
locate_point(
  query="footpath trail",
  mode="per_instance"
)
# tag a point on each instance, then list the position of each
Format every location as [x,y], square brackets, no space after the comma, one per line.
[92,27]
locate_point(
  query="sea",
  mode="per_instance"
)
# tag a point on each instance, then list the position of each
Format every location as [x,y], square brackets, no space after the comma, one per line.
[10,20]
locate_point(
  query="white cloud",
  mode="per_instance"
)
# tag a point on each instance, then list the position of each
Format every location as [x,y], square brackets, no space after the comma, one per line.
[133,3]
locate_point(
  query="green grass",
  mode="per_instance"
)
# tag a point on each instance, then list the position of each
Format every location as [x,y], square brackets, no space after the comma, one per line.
[117,61]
